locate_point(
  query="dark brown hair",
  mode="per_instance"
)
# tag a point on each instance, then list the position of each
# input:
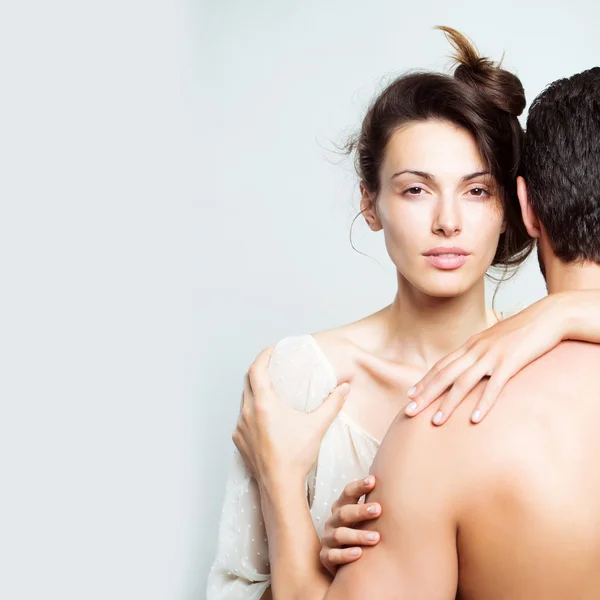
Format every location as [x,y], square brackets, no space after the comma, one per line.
[560,164]
[482,99]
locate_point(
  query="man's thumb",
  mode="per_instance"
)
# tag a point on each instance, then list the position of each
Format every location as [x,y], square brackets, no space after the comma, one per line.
[331,406]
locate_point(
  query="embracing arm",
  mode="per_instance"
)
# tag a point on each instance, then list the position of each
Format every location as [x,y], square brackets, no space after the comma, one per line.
[241,570]
[416,558]
[296,571]
[582,315]
[501,351]
[280,446]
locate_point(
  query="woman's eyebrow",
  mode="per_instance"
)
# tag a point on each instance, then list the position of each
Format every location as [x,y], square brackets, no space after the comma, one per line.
[474,175]
[430,177]
[422,174]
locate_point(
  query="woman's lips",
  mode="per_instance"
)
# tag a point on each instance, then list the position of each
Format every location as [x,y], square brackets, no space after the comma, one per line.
[447,258]
[447,261]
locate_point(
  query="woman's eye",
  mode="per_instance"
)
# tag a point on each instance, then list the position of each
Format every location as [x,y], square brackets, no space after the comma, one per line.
[479,192]
[413,191]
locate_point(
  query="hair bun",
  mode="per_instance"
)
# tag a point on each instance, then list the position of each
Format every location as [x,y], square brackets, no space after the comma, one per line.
[502,88]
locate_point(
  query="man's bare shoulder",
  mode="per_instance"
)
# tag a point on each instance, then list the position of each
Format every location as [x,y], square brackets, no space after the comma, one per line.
[568,355]
[570,370]
[422,451]
[551,399]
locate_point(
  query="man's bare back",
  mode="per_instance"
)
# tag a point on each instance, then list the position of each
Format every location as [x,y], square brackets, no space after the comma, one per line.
[529,513]
[508,509]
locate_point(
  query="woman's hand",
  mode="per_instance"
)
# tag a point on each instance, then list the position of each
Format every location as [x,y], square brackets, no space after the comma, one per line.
[275,440]
[501,351]
[341,542]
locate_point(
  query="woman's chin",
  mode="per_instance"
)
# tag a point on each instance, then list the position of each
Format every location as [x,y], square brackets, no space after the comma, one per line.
[445,285]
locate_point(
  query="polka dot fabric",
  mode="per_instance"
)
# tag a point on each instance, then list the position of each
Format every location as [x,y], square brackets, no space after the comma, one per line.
[303,377]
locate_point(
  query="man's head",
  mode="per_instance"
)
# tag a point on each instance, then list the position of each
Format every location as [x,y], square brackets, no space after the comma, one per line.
[561,167]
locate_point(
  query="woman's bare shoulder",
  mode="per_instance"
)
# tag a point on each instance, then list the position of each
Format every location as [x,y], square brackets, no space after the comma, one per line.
[319,360]
[344,346]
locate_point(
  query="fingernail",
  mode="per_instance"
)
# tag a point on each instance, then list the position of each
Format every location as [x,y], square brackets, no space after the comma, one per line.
[412,391]
[373,510]
[410,409]
[476,416]
[344,389]
[369,480]
[354,552]
[372,537]
[437,418]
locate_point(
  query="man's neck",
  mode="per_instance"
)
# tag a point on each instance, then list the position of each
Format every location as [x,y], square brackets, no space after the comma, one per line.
[561,277]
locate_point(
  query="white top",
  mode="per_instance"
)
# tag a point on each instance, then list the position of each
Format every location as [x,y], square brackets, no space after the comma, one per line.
[302,377]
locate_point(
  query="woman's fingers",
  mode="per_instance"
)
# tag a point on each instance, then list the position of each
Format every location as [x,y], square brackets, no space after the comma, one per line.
[439,365]
[352,514]
[332,558]
[343,556]
[460,390]
[347,536]
[440,382]
[341,545]
[492,390]
[354,491]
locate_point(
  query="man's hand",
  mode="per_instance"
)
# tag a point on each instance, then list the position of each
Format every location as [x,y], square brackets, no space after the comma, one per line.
[341,542]
[279,444]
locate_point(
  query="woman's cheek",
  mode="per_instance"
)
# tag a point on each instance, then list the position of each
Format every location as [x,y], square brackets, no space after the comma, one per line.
[401,248]
[488,233]
[403,227]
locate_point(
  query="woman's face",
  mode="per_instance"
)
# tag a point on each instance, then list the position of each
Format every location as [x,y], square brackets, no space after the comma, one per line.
[438,206]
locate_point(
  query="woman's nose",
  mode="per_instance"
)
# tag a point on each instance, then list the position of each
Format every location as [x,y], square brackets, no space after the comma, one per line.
[447,219]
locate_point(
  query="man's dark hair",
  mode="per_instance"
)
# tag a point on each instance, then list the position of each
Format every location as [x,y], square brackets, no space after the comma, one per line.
[561,164]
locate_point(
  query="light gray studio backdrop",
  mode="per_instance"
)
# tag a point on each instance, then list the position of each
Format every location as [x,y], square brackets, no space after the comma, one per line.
[172,203]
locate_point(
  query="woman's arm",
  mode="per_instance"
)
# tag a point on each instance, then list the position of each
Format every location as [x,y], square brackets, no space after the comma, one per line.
[582,315]
[501,351]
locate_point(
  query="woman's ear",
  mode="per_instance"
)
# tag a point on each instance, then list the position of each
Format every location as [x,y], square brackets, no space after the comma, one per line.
[368,208]
[532,223]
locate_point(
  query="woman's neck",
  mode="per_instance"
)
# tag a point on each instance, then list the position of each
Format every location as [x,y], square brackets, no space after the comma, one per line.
[421,329]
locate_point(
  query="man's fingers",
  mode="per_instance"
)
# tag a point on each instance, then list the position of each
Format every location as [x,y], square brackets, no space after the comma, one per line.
[237,438]
[258,373]
[264,357]
[352,514]
[492,390]
[330,407]
[460,390]
[247,398]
